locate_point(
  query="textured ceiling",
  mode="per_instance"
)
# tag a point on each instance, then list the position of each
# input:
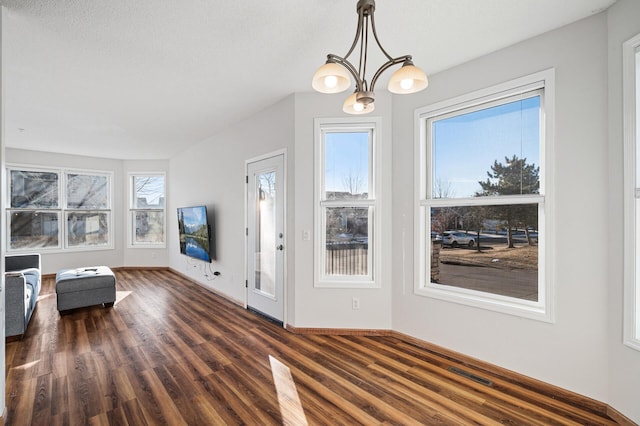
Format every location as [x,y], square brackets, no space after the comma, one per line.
[143,79]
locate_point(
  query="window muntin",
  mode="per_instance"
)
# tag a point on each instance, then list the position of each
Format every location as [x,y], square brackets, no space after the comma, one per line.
[499,202]
[346,219]
[147,210]
[38,207]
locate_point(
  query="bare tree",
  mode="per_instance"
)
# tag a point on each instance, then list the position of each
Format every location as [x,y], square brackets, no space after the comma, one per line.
[352,182]
[442,189]
[150,187]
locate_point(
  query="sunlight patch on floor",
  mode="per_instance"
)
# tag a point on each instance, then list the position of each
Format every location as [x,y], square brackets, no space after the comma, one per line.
[121,295]
[290,406]
[27,365]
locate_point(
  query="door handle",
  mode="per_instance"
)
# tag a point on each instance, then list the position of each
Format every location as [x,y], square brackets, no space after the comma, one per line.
[280,247]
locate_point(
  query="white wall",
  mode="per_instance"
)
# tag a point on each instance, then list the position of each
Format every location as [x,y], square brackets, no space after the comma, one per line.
[572,352]
[330,307]
[213,173]
[120,255]
[624,362]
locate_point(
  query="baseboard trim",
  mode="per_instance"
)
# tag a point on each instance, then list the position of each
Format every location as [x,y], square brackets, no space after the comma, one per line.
[619,418]
[338,331]
[536,385]
[125,268]
[141,268]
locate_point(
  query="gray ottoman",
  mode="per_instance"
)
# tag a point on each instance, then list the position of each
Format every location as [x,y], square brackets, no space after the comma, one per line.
[77,288]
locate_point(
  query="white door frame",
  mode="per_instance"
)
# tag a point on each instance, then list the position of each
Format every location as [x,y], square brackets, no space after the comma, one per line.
[283,153]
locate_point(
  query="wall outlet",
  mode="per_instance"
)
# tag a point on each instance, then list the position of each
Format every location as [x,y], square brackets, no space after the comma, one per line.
[306,235]
[355,303]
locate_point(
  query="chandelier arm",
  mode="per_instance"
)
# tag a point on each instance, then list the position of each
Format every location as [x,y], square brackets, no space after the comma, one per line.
[364,49]
[391,62]
[358,31]
[345,63]
[375,35]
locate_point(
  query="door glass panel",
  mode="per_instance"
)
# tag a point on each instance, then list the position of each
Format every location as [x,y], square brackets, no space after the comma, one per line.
[265,245]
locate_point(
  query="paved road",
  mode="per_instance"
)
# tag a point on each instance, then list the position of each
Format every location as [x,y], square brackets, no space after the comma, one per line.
[515,283]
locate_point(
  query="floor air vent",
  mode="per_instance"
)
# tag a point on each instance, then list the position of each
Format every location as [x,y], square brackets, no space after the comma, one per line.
[471,376]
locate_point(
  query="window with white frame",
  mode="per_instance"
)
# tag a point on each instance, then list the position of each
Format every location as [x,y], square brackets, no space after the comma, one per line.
[631,108]
[55,209]
[347,204]
[147,209]
[482,190]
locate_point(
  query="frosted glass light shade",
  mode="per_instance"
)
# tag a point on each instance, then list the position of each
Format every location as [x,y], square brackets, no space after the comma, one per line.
[352,106]
[331,78]
[408,79]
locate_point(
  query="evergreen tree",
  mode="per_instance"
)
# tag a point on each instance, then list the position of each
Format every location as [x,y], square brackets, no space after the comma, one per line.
[514,177]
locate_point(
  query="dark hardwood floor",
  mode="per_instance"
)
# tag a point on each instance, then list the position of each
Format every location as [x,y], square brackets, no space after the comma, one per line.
[171,352]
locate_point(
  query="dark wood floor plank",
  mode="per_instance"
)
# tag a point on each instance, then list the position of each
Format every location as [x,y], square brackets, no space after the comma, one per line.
[162,399]
[171,352]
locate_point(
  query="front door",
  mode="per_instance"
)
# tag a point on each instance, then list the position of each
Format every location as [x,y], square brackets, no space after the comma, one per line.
[265,233]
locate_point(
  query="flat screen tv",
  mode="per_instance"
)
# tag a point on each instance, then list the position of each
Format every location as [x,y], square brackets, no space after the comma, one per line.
[195,232]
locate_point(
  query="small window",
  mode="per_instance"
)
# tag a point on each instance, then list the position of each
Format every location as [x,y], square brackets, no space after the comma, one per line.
[147,210]
[347,204]
[482,199]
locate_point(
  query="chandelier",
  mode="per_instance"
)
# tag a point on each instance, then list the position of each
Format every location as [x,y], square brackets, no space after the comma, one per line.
[334,75]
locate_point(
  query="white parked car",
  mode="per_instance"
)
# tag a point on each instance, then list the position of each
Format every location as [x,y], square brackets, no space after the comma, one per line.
[457,238]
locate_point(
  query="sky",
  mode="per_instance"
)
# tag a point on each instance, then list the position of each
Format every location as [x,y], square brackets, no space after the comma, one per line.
[464,148]
[194,217]
[347,158]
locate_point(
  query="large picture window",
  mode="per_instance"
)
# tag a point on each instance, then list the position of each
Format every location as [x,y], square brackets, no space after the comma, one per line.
[58,209]
[631,105]
[481,202]
[147,209]
[347,204]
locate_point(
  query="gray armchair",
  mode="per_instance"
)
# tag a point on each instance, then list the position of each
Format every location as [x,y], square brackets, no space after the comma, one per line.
[22,286]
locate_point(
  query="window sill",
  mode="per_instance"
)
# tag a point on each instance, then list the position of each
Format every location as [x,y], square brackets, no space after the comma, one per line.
[346,284]
[633,344]
[491,302]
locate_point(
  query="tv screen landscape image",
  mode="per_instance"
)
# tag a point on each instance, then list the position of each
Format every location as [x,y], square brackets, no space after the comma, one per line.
[195,232]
